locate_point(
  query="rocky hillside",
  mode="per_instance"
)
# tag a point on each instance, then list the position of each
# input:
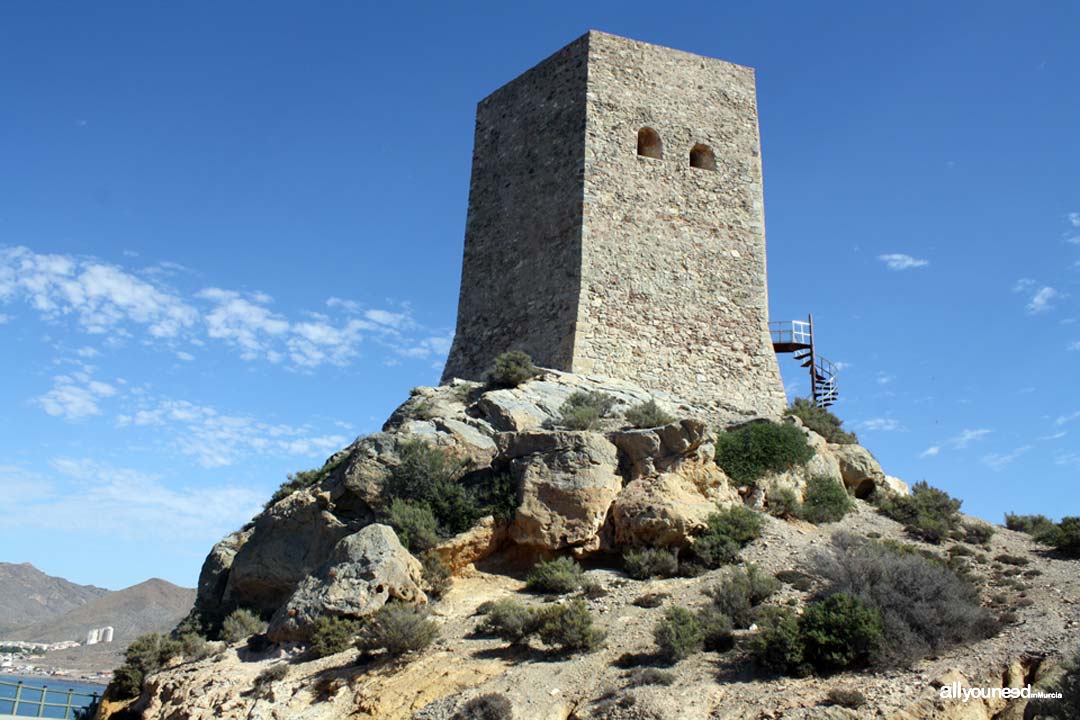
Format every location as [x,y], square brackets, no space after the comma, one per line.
[324,548]
[29,596]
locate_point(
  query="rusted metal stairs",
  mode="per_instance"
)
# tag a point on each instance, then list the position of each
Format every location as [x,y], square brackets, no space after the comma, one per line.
[797,337]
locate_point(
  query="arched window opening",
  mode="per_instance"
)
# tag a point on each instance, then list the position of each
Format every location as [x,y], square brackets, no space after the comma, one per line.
[702,157]
[649,144]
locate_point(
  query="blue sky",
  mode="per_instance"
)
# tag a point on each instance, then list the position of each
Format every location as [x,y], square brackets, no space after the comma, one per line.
[230,237]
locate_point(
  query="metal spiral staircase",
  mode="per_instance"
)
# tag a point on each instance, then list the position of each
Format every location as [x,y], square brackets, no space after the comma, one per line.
[797,337]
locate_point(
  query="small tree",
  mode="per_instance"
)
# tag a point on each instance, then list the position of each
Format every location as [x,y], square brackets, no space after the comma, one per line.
[677,634]
[510,369]
[749,452]
[826,500]
[840,632]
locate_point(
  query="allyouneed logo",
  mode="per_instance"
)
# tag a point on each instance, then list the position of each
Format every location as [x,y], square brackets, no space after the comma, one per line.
[954,691]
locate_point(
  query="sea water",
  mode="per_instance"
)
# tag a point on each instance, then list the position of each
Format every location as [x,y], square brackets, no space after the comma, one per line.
[56,690]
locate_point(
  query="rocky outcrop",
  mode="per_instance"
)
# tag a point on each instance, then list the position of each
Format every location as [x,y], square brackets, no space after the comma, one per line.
[214,575]
[567,481]
[364,570]
[479,542]
[861,472]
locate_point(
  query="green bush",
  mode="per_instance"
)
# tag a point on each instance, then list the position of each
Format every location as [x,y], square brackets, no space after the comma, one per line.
[716,629]
[796,579]
[305,479]
[241,623]
[437,577]
[840,632]
[726,533]
[414,523]
[583,410]
[644,563]
[677,634]
[750,452]
[491,706]
[1065,535]
[778,644]
[924,605]
[977,533]
[821,421]
[569,627]
[826,500]
[783,502]
[194,646]
[651,676]
[846,697]
[739,591]
[1007,559]
[429,474]
[927,513]
[561,575]
[648,415]
[145,655]
[398,629]
[1034,525]
[331,635]
[510,369]
[510,620]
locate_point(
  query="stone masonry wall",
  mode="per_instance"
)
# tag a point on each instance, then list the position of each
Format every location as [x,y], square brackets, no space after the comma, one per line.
[595,260]
[674,291]
[521,270]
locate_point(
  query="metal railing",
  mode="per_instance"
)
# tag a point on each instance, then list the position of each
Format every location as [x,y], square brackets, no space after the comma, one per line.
[40,701]
[790,331]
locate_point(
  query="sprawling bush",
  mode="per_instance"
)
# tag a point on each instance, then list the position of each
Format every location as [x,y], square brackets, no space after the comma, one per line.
[826,500]
[927,513]
[784,502]
[437,577]
[821,421]
[716,629]
[331,635]
[648,415]
[414,523]
[145,655]
[398,629]
[241,623]
[584,410]
[194,646]
[751,451]
[569,627]
[726,533]
[796,579]
[510,369]
[778,644]
[491,706]
[677,634]
[644,563]
[1065,535]
[510,620]
[840,632]
[561,575]
[977,532]
[924,606]
[739,591]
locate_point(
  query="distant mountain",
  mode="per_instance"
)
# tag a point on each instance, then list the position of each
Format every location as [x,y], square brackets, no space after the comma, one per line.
[29,596]
[154,605]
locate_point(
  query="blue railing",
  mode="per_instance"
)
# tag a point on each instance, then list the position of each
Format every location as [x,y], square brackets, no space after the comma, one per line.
[21,700]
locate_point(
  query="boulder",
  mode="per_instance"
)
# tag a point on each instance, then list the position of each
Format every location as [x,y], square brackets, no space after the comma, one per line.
[895,486]
[860,471]
[668,509]
[648,453]
[287,543]
[214,575]
[364,570]
[567,482]
[473,545]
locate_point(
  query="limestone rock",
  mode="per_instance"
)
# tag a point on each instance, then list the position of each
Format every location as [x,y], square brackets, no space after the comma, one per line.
[473,545]
[567,482]
[214,575]
[861,472]
[365,569]
[666,510]
[288,542]
[895,485]
[657,450]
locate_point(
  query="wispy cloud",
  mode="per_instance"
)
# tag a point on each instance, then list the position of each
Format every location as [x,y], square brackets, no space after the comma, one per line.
[900,261]
[1040,297]
[75,396]
[932,451]
[106,299]
[966,437]
[1067,418]
[882,425]
[998,461]
[138,505]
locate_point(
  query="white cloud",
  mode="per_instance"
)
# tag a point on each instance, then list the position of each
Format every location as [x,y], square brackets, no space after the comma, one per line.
[1062,419]
[882,425]
[1074,219]
[4,319]
[884,378]
[105,499]
[900,261]
[931,451]
[1055,436]
[1043,299]
[966,437]
[87,352]
[74,396]
[997,461]
[242,322]
[185,356]
[394,320]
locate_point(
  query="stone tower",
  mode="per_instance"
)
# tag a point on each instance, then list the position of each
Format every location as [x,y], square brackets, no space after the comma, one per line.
[616,226]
